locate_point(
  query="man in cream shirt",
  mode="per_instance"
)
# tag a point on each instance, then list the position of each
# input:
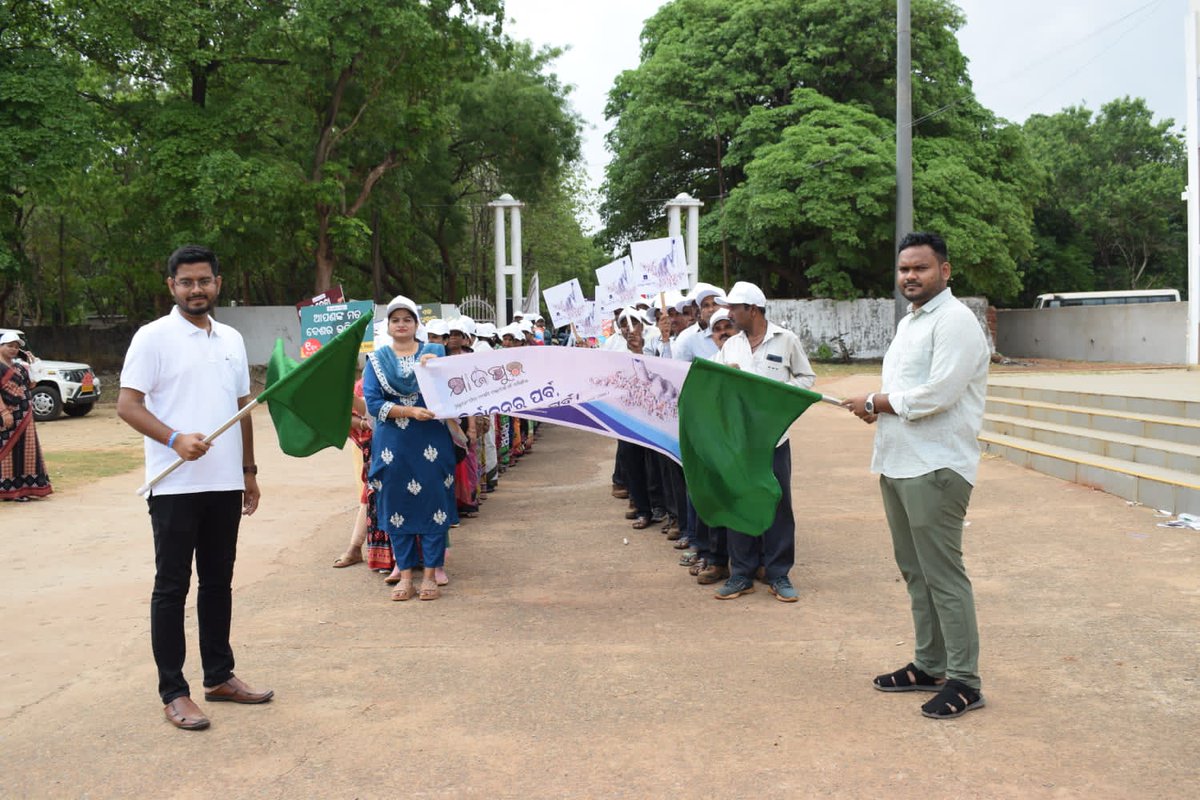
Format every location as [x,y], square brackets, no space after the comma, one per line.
[768,350]
[929,411]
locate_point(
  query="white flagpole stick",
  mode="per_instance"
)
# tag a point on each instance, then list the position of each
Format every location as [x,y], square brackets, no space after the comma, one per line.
[828,399]
[242,412]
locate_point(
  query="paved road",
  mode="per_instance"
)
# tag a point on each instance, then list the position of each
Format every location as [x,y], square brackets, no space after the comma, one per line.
[562,662]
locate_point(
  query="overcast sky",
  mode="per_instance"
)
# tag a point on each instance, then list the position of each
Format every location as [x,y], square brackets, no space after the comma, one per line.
[1026,56]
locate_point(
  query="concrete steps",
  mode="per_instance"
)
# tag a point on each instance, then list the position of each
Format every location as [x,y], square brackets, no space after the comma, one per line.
[1145,449]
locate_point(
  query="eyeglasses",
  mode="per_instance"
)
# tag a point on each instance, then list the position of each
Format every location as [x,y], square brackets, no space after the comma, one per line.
[188,283]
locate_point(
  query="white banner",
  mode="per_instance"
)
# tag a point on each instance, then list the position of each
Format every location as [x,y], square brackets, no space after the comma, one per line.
[621,395]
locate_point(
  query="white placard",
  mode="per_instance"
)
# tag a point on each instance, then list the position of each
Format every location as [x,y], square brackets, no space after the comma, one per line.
[566,302]
[659,265]
[616,284]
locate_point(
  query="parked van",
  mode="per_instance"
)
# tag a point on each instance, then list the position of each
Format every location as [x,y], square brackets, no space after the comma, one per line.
[1064,299]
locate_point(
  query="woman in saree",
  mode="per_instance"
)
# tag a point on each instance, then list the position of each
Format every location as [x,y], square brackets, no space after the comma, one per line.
[412,456]
[22,469]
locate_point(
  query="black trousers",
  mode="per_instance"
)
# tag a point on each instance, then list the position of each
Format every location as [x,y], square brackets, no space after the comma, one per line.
[775,550]
[204,524]
[633,459]
[674,491]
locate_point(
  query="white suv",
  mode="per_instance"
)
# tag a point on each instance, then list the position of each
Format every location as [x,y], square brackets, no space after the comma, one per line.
[59,386]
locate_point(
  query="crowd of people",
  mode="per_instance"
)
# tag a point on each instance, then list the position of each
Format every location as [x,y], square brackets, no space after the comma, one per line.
[421,477]
[732,329]
[186,373]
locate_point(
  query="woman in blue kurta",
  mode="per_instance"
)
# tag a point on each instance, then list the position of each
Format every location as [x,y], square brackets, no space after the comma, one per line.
[412,455]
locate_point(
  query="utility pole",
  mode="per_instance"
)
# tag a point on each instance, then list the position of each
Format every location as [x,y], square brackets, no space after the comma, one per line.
[904,180]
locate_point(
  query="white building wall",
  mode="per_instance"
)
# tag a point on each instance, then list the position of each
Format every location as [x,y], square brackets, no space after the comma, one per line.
[1140,333]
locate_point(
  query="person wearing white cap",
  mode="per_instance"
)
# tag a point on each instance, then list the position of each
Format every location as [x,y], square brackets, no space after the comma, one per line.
[466,474]
[461,335]
[485,335]
[710,560]
[666,320]
[695,341]
[412,455]
[436,331]
[525,326]
[634,462]
[23,474]
[768,350]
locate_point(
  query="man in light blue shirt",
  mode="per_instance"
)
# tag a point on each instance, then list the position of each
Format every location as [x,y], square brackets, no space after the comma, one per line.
[929,411]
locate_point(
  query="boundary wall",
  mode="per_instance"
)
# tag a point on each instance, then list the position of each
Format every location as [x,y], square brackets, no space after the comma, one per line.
[864,327]
[1137,333]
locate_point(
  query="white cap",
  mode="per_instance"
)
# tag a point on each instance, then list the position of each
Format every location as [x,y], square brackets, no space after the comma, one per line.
[525,325]
[11,336]
[744,293]
[400,301]
[485,330]
[718,315]
[538,318]
[671,298]
[437,327]
[462,325]
[703,290]
[632,315]
[511,330]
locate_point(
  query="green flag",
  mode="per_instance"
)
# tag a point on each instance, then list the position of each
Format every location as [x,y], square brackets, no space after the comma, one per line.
[729,423]
[310,400]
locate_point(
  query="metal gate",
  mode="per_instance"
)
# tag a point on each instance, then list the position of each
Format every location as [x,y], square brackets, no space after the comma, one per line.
[477,308]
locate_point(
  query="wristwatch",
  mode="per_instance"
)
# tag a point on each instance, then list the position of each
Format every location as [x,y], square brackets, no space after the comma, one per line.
[250,470]
[870,404]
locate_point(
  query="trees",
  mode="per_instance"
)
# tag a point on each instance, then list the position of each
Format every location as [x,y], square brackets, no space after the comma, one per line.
[310,143]
[43,125]
[1109,214]
[784,107]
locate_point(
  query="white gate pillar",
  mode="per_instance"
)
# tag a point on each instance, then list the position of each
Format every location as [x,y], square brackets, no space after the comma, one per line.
[692,245]
[503,268]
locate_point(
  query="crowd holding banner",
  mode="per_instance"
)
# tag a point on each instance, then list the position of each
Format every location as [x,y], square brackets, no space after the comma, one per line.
[699,391]
[491,387]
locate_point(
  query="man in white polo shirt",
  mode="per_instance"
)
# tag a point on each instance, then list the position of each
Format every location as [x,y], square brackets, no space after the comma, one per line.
[184,375]
[929,410]
[768,350]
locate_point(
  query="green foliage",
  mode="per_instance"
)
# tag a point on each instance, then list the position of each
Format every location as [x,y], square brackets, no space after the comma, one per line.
[341,141]
[1108,215]
[778,113]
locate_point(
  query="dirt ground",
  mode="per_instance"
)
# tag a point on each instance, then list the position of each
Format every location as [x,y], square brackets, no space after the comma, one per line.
[563,663]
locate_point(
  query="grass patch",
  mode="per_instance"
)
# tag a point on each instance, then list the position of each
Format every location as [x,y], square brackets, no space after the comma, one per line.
[70,469]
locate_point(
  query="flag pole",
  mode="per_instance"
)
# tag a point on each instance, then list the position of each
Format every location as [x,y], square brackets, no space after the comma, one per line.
[242,412]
